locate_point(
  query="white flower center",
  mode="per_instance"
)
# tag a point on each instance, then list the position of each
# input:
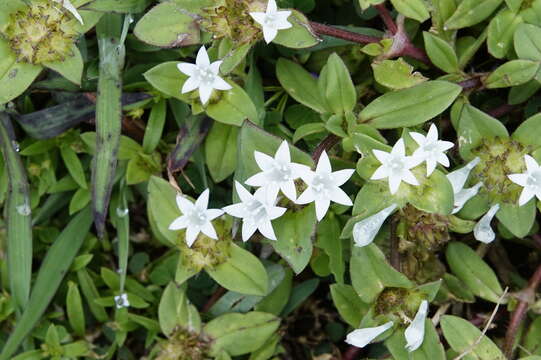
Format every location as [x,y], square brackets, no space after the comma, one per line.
[323,184]
[280,173]
[270,20]
[396,165]
[205,76]
[198,217]
[255,211]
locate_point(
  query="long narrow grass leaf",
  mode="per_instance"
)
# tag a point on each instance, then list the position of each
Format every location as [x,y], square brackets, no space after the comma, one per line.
[55,265]
[17,214]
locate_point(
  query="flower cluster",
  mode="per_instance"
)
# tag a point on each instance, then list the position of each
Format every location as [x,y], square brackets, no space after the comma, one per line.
[257,210]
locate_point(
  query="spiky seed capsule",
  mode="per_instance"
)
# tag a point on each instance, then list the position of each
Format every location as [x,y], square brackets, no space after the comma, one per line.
[499,157]
[42,32]
[206,252]
[395,303]
[231,19]
[184,345]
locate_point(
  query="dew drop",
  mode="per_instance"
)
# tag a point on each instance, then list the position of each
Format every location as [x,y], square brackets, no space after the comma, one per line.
[15,145]
[122,212]
[24,209]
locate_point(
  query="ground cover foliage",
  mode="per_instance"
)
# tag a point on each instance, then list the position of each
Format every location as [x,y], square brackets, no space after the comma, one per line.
[260,179]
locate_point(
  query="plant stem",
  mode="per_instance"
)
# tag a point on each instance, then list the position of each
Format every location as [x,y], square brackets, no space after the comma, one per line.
[520,312]
[325,145]
[352,353]
[387,18]
[213,299]
[395,255]
[322,29]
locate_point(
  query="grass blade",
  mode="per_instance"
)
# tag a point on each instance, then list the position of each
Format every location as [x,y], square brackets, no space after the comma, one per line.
[55,265]
[19,222]
[108,115]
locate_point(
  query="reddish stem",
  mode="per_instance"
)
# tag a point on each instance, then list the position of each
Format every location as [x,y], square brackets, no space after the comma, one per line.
[501,110]
[352,353]
[387,18]
[325,145]
[213,299]
[520,312]
[322,29]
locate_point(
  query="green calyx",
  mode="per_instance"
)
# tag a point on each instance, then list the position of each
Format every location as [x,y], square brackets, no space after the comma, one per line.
[184,345]
[500,157]
[42,32]
[398,304]
[207,252]
[231,19]
[421,235]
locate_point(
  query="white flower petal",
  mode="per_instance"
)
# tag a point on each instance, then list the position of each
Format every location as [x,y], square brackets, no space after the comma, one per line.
[322,206]
[269,34]
[340,197]
[394,183]
[221,84]
[407,176]
[213,214]
[382,156]
[190,85]
[215,67]
[272,8]
[525,196]
[482,231]
[179,223]
[458,177]
[531,164]
[248,229]
[282,155]
[191,235]
[281,22]
[362,337]
[381,173]
[415,332]
[187,68]
[202,59]
[430,167]
[244,194]
[237,210]
[519,179]
[341,176]
[306,197]
[202,201]
[184,205]
[365,231]
[209,230]
[432,135]
[275,212]
[265,228]
[419,138]
[259,179]
[264,161]
[399,148]
[205,92]
[323,164]
[462,197]
[259,17]
[289,190]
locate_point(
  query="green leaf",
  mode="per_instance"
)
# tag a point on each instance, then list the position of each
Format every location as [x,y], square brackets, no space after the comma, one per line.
[108,115]
[348,303]
[473,271]
[413,9]
[231,54]
[441,53]
[294,232]
[275,301]
[500,32]
[527,131]
[242,272]
[74,309]
[79,200]
[300,36]
[532,339]
[175,310]
[301,85]
[74,166]
[240,334]
[221,151]
[430,349]
[370,273]
[437,194]
[471,12]
[168,25]
[300,293]
[517,219]
[128,149]
[15,77]
[512,73]
[233,107]
[514,5]
[17,217]
[71,68]
[365,4]
[162,209]
[90,293]
[396,74]
[527,41]
[168,79]
[463,336]
[125,6]
[328,239]
[474,125]
[53,269]
[307,130]
[412,106]
[336,85]
[155,125]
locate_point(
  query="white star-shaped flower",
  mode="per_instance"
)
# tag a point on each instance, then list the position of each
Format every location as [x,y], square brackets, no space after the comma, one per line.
[203,76]
[362,337]
[395,166]
[366,230]
[529,180]
[415,332]
[122,301]
[482,231]
[457,179]
[257,211]
[272,20]
[196,217]
[278,173]
[66,4]
[431,149]
[324,186]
